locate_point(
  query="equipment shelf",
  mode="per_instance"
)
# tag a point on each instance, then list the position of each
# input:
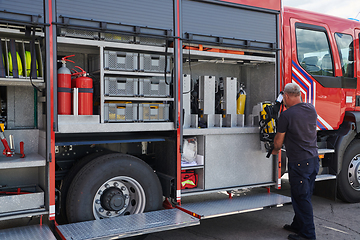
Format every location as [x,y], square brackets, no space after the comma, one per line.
[192,167]
[223,56]
[81,127]
[21,82]
[139,74]
[219,130]
[143,99]
[112,45]
[30,160]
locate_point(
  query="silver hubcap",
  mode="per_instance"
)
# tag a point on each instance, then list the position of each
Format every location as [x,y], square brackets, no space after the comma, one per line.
[119,196]
[354,173]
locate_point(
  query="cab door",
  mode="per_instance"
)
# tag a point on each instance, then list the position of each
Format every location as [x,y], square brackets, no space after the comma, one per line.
[316,68]
[357,67]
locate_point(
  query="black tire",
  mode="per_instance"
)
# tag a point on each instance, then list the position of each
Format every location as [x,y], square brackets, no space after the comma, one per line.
[65,185]
[349,176]
[122,179]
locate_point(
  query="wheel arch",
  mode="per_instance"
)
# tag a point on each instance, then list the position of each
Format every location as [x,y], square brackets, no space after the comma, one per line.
[346,134]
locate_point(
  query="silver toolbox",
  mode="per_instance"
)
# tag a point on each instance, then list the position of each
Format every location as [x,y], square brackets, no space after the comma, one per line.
[121,86]
[153,112]
[153,63]
[113,37]
[68,32]
[120,112]
[123,61]
[30,197]
[153,87]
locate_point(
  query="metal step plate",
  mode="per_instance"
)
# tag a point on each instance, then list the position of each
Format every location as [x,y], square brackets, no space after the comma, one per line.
[319,177]
[323,177]
[325,150]
[128,226]
[223,207]
[28,232]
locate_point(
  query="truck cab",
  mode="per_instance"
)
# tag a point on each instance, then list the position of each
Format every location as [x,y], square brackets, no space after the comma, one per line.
[321,55]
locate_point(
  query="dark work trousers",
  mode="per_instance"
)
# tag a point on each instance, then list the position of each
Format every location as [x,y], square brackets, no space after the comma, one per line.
[302,176]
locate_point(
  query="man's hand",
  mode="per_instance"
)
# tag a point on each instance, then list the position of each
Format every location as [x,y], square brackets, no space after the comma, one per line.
[275,152]
[278,142]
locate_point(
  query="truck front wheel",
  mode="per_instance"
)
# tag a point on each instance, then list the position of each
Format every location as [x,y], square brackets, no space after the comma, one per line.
[349,176]
[113,185]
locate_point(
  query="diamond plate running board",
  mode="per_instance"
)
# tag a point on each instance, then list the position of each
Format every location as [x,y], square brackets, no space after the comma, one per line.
[224,207]
[127,226]
[28,232]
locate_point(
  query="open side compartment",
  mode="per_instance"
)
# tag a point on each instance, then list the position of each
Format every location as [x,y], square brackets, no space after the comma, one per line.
[23,184]
[222,88]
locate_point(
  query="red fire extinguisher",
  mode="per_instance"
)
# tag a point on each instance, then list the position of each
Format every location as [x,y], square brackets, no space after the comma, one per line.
[64,87]
[84,86]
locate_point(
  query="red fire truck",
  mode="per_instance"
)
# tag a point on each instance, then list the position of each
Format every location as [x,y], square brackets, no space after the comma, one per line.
[117,116]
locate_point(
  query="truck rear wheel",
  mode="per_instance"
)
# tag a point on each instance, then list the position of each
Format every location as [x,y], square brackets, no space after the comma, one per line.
[70,176]
[113,185]
[349,176]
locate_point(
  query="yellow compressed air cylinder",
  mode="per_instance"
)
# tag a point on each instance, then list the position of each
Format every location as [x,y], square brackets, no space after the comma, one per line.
[240,102]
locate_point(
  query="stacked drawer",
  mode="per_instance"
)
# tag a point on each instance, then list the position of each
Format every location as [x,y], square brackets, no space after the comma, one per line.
[130,61]
[134,112]
[133,87]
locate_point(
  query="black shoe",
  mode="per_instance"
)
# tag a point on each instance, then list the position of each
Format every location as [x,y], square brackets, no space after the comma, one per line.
[290,228]
[297,237]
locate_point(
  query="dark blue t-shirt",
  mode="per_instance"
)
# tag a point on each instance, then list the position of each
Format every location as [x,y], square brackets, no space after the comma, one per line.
[299,124]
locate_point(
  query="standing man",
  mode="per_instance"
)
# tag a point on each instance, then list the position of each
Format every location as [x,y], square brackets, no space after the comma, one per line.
[297,129]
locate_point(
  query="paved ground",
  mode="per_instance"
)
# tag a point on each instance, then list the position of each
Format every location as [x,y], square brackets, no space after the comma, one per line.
[333,220]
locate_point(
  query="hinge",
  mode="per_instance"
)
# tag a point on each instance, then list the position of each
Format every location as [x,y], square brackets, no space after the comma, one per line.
[54,126]
[50,157]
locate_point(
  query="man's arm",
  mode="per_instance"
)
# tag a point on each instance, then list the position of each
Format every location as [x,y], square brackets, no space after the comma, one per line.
[278,142]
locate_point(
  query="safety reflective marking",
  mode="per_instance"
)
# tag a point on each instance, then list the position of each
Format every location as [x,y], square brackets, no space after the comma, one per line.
[349,99]
[52,209]
[308,88]
[178,194]
[303,82]
[324,123]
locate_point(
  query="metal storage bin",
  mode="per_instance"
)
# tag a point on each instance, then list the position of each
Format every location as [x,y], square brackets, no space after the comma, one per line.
[153,112]
[32,200]
[121,86]
[123,61]
[153,63]
[116,37]
[68,32]
[120,112]
[153,87]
